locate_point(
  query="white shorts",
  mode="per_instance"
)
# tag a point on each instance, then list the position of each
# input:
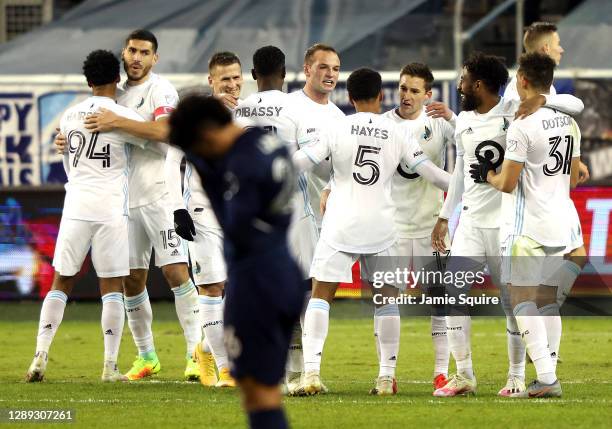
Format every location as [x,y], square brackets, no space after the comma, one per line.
[475,248]
[576,239]
[303,236]
[528,263]
[206,254]
[332,265]
[108,242]
[152,227]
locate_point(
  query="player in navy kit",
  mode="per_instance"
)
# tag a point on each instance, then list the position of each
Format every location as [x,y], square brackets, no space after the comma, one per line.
[250,182]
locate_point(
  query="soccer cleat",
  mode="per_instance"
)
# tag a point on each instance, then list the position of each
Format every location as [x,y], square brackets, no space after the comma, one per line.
[225,379]
[457,385]
[513,385]
[311,384]
[142,368]
[540,390]
[385,386]
[206,366]
[292,383]
[439,381]
[111,374]
[192,370]
[36,371]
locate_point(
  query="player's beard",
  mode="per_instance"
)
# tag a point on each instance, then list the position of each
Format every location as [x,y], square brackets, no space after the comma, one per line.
[135,76]
[468,102]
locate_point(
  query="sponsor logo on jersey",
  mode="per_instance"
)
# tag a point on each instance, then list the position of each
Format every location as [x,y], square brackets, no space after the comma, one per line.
[378,133]
[417,153]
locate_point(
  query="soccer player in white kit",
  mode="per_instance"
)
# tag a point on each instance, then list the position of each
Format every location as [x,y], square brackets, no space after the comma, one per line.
[365,149]
[541,163]
[225,78]
[151,223]
[417,201]
[480,134]
[543,37]
[317,112]
[97,167]
[277,112]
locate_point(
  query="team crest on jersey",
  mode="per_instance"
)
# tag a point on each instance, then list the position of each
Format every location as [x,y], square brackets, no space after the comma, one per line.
[506,124]
[427,135]
[139,105]
[197,269]
[171,99]
[259,101]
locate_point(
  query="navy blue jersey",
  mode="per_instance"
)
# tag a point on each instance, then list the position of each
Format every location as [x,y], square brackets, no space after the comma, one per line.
[250,190]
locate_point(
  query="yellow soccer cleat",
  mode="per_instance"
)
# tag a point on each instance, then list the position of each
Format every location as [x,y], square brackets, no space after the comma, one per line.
[225,379]
[385,386]
[192,370]
[206,366]
[142,368]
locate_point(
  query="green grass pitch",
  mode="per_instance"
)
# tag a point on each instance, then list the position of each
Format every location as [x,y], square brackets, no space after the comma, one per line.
[349,368]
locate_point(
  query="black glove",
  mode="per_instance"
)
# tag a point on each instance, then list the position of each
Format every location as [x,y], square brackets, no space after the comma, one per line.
[479,171]
[183,224]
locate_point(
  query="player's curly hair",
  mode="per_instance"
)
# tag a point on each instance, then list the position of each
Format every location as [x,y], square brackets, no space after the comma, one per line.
[490,69]
[539,69]
[101,68]
[364,84]
[268,61]
[193,114]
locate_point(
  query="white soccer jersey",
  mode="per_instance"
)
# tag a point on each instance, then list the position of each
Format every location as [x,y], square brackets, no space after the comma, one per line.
[96,163]
[545,143]
[314,117]
[511,93]
[417,201]
[479,136]
[365,149]
[153,99]
[193,196]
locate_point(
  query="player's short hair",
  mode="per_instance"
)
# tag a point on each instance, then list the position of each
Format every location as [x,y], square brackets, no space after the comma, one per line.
[309,54]
[268,61]
[419,70]
[223,58]
[194,114]
[538,68]
[101,68]
[364,84]
[142,34]
[490,69]
[535,32]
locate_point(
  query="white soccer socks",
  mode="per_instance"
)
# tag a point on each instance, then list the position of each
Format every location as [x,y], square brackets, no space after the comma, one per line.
[51,315]
[186,303]
[295,357]
[533,331]
[440,345]
[211,318]
[516,348]
[552,322]
[140,318]
[567,274]
[458,330]
[316,325]
[113,318]
[387,321]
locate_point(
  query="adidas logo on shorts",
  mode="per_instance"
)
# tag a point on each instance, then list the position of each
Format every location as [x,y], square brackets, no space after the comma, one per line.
[175,253]
[109,332]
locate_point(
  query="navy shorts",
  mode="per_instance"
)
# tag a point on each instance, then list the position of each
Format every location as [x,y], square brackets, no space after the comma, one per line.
[263,301]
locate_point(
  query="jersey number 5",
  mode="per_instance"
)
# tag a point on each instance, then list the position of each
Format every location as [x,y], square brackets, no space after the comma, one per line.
[104,155]
[561,162]
[360,161]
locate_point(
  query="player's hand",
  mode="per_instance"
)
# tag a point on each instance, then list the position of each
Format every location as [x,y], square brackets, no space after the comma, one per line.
[583,173]
[479,171]
[530,106]
[102,121]
[183,224]
[437,109]
[229,100]
[323,202]
[60,142]
[438,235]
